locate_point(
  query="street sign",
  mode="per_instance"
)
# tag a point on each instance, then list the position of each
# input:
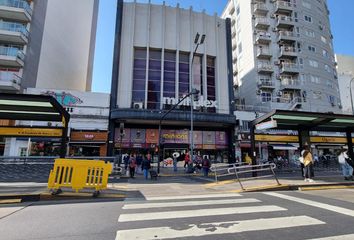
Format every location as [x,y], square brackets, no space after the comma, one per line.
[267,125]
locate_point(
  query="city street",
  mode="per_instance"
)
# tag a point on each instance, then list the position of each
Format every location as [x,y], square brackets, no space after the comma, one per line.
[325,214]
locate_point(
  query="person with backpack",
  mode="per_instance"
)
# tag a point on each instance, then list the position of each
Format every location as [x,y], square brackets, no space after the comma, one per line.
[308,164]
[145,166]
[206,166]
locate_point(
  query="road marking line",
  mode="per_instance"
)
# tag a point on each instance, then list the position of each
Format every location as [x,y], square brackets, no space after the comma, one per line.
[204,229]
[339,237]
[194,196]
[197,213]
[189,203]
[328,207]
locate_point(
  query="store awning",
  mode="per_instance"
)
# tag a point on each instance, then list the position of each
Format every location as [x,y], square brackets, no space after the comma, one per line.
[284,147]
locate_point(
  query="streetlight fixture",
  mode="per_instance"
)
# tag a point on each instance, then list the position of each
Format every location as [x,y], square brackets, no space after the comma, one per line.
[193,90]
[351,95]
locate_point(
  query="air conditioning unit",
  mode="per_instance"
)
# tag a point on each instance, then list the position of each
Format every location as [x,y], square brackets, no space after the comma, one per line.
[138,105]
[279,93]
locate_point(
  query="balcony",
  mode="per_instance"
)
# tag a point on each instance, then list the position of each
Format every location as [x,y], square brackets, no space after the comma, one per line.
[266,84]
[261,22]
[15,9]
[11,57]
[260,8]
[284,7]
[288,52]
[285,22]
[263,38]
[264,68]
[286,103]
[289,68]
[9,81]
[290,83]
[13,32]
[235,69]
[264,53]
[288,36]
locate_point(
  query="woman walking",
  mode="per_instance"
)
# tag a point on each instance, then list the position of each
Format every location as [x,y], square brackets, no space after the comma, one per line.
[308,165]
[132,165]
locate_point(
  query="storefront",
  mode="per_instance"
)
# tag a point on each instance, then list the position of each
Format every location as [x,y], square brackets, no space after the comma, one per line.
[212,144]
[88,143]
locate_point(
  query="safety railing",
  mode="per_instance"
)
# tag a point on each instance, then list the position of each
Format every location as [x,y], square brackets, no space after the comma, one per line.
[243,168]
[79,174]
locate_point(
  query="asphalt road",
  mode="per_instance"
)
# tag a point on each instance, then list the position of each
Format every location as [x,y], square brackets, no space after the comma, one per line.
[270,215]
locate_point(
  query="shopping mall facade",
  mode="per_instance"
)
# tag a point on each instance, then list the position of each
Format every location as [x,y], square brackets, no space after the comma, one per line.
[153,67]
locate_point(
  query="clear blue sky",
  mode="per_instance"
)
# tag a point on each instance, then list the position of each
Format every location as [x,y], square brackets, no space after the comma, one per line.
[341,16]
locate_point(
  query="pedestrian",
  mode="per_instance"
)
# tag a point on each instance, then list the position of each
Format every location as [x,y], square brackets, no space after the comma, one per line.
[126,161]
[145,166]
[186,160]
[206,166]
[132,165]
[343,160]
[139,160]
[174,155]
[308,164]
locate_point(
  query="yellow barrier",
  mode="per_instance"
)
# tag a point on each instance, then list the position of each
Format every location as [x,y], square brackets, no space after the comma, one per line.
[79,174]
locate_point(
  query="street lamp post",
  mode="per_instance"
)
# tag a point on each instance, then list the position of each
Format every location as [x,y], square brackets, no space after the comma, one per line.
[193,90]
[351,95]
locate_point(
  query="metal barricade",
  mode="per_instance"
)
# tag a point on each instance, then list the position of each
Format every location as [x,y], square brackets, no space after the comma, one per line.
[79,174]
[222,169]
[237,170]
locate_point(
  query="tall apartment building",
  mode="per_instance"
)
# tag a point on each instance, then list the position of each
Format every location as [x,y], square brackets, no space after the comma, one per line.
[283,55]
[345,70]
[47,44]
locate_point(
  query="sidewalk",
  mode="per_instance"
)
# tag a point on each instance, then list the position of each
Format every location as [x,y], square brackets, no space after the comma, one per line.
[180,184]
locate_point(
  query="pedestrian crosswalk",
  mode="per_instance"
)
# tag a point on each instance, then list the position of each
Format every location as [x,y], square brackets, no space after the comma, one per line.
[177,217]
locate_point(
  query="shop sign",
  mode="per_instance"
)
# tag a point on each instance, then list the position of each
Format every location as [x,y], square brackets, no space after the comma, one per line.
[168,136]
[209,146]
[88,136]
[328,139]
[30,132]
[221,147]
[182,136]
[187,102]
[220,138]
[276,138]
[198,137]
[267,125]
[64,98]
[152,135]
[137,135]
[208,137]
[125,137]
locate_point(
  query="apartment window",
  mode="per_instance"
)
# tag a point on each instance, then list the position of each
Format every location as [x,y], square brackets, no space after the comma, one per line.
[238,10]
[312,48]
[327,68]
[198,73]
[314,79]
[211,81]
[301,62]
[306,5]
[323,39]
[139,76]
[239,48]
[331,99]
[308,19]
[309,33]
[317,95]
[169,74]
[183,83]
[266,96]
[154,80]
[325,53]
[313,63]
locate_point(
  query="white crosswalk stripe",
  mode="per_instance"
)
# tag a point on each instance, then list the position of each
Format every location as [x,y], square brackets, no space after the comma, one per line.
[199,206]
[197,213]
[338,237]
[217,228]
[189,203]
[194,196]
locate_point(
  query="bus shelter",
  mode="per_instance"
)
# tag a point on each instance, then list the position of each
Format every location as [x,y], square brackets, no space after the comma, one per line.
[303,123]
[29,107]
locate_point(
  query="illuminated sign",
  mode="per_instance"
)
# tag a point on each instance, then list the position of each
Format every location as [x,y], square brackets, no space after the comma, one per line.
[31,132]
[276,138]
[187,102]
[267,125]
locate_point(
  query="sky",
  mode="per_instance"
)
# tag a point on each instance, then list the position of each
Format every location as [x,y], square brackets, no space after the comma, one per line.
[341,17]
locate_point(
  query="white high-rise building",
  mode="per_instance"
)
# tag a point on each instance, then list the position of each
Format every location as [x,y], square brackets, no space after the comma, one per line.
[47,44]
[283,55]
[345,70]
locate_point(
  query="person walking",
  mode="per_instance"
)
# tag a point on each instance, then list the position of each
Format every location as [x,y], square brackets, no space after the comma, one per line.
[132,165]
[145,166]
[347,170]
[186,160]
[206,166]
[175,161]
[308,165]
